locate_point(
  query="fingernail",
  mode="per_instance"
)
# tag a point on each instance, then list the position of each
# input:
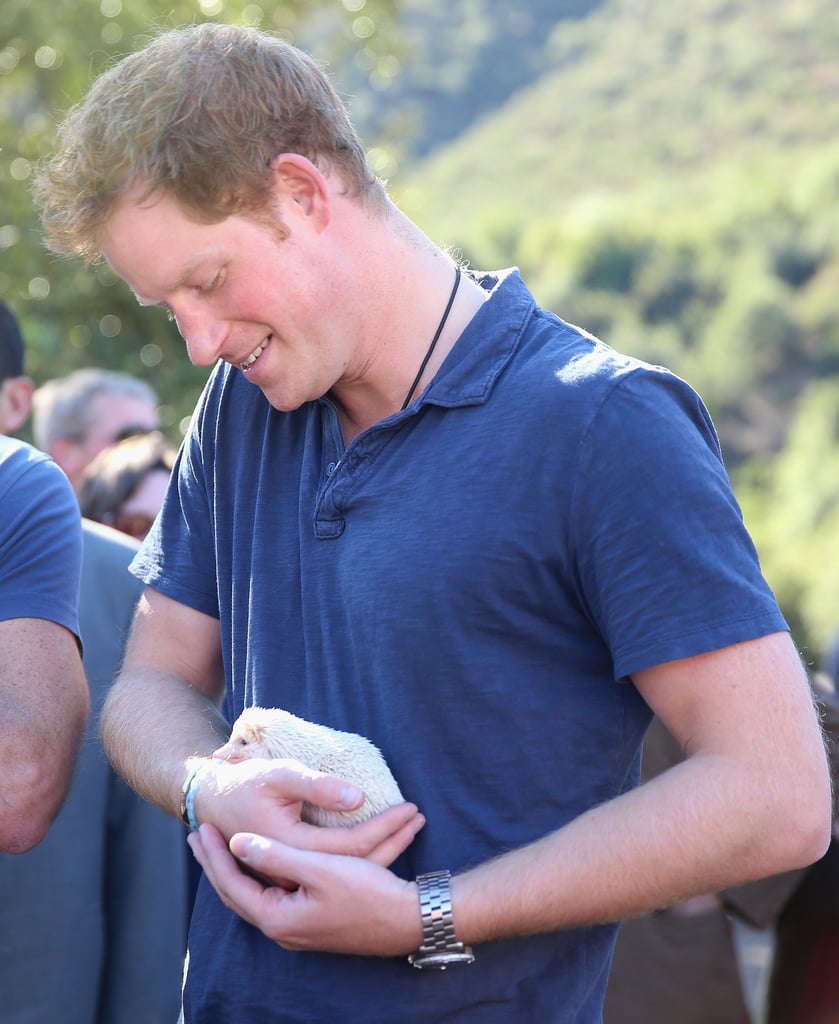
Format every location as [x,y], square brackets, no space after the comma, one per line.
[350,796]
[244,847]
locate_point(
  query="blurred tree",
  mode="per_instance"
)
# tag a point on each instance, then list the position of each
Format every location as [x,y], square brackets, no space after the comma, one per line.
[49,54]
[791,505]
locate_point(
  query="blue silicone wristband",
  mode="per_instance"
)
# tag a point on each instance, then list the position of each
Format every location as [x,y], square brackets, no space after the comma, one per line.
[190,788]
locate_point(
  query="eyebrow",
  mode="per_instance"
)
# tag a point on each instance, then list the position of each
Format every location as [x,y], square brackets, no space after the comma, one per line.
[188,271]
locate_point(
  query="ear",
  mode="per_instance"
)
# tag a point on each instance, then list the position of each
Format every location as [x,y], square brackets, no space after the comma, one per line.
[70,456]
[15,403]
[299,182]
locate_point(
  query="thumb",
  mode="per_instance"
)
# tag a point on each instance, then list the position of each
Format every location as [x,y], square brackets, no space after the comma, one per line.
[269,857]
[328,791]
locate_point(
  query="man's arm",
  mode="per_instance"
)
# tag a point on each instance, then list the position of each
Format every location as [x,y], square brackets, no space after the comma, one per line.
[161,718]
[163,707]
[752,798]
[43,710]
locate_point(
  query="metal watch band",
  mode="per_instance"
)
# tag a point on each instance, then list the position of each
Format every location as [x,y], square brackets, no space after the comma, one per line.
[440,946]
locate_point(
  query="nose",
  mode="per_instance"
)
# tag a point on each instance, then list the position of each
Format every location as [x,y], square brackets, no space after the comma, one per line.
[229,752]
[203,333]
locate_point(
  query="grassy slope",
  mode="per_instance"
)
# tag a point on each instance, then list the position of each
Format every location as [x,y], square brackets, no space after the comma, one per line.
[653,106]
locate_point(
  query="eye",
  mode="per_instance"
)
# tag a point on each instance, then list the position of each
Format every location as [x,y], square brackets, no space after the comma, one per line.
[213,284]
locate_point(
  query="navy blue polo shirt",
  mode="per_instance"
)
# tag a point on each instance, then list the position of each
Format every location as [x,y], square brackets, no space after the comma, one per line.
[470,583]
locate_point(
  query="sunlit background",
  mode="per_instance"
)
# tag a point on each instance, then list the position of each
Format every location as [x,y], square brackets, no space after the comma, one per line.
[666,175]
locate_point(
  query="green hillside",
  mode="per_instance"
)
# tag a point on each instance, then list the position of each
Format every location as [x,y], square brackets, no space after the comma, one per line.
[639,97]
[671,182]
[665,174]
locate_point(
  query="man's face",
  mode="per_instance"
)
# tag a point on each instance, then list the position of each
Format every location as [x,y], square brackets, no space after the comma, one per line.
[115,417]
[237,292]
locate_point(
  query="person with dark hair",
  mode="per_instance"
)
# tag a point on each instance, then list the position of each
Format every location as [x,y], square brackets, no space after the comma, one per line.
[93,920]
[43,693]
[415,506]
[15,387]
[124,484]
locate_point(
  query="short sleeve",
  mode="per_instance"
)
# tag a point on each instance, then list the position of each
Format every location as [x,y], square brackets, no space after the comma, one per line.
[177,557]
[667,566]
[40,539]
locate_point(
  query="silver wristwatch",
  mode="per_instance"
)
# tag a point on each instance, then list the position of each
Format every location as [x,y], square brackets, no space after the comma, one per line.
[440,947]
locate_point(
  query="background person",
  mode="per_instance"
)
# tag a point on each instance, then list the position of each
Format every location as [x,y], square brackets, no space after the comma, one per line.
[93,920]
[75,417]
[124,485]
[43,692]
[413,505]
[42,685]
[803,981]
[15,387]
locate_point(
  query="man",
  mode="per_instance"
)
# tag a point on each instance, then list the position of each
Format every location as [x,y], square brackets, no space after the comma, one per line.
[42,685]
[76,417]
[43,693]
[414,506]
[93,919]
[15,387]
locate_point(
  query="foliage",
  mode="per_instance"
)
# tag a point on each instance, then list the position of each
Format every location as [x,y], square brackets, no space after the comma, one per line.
[671,182]
[665,174]
[791,504]
[74,317]
[455,62]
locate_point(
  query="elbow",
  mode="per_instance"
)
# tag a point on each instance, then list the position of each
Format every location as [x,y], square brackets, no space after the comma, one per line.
[802,824]
[20,836]
[25,820]
[808,833]
[28,808]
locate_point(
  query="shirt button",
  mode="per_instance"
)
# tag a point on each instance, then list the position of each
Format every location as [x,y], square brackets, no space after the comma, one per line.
[330,469]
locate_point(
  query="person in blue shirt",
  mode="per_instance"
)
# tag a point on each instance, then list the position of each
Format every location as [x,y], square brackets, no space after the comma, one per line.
[93,920]
[414,505]
[43,691]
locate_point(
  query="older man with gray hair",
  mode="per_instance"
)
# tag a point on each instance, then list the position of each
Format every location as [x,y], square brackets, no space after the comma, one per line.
[76,417]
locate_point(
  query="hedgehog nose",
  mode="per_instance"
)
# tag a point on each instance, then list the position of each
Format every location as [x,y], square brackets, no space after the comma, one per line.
[227,753]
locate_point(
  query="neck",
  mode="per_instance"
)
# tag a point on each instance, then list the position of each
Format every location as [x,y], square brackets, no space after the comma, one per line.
[398,283]
[390,373]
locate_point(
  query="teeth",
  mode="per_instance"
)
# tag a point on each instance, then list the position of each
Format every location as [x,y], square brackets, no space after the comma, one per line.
[252,358]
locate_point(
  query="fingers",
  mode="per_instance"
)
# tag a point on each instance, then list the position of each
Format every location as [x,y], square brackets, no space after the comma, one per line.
[397,842]
[238,891]
[326,791]
[338,904]
[380,839]
[266,796]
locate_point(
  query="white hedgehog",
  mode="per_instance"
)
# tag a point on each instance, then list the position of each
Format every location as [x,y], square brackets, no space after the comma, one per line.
[271,732]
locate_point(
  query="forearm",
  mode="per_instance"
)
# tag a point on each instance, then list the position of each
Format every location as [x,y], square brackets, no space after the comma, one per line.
[701,827]
[152,723]
[44,706]
[705,825]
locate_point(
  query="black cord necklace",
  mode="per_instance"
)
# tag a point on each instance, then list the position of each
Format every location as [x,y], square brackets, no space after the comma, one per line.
[434,340]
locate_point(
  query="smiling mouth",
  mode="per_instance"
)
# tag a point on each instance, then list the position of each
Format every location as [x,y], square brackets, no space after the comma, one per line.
[252,358]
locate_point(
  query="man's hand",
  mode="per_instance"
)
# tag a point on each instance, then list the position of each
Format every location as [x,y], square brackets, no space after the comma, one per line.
[339,904]
[265,795]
